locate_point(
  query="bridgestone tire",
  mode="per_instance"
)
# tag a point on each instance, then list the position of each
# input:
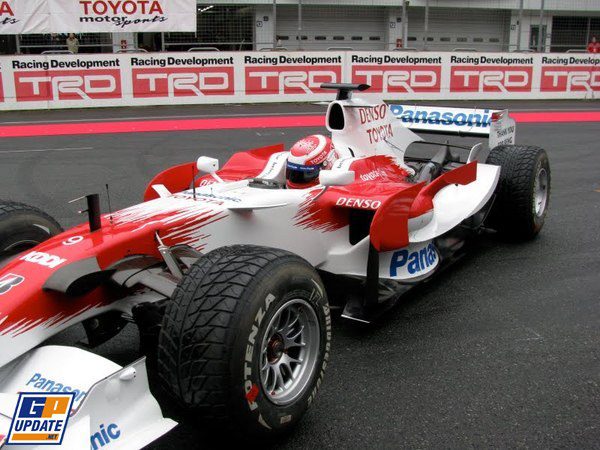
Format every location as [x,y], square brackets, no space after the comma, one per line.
[209,353]
[22,227]
[514,211]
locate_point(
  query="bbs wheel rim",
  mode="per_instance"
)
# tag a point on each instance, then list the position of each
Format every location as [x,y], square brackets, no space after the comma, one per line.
[289,351]
[540,192]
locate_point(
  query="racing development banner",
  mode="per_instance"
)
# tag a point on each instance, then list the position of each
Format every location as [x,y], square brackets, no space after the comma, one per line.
[96,80]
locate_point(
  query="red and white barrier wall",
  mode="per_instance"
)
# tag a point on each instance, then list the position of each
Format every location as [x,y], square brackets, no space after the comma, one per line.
[75,81]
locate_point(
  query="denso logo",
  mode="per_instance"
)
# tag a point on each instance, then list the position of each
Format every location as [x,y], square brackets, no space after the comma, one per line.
[43,259]
[562,79]
[67,85]
[362,203]
[183,82]
[491,79]
[415,262]
[290,80]
[105,435]
[398,78]
[373,114]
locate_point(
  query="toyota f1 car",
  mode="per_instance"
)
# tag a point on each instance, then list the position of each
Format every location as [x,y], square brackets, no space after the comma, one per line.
[229,276]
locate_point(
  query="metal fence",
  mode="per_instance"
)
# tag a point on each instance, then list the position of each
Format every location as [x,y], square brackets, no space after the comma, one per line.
[573,33]
[315,26]
[310,25]
[363,25]
[39,43]
[223,27]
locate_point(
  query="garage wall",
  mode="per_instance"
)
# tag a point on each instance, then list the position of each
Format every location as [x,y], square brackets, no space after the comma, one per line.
[483,30]
[330,26]
[367,28]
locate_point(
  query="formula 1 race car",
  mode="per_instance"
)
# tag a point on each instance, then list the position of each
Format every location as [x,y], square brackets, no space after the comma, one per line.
[230,276]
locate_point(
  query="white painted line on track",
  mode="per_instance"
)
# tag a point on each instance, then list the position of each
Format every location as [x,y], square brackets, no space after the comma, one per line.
[41,150]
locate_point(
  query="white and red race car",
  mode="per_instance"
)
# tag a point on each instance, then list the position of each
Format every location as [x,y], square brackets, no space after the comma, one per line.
[229,276]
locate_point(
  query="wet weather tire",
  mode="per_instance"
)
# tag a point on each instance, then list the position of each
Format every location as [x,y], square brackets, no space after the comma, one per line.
[523,191]
[22,227]
[245,339]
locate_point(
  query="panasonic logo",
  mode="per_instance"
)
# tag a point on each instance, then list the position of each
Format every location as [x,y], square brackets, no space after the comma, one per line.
[37,381]
[105,435]
[481,118]
[415,262]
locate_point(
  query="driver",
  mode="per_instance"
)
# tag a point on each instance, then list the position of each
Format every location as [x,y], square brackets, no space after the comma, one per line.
[306,159]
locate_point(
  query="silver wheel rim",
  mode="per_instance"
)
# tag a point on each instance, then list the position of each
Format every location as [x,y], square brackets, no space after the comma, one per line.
[289,351]
[540,192]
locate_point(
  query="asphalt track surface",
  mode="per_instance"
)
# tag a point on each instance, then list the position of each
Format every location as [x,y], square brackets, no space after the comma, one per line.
[502,350]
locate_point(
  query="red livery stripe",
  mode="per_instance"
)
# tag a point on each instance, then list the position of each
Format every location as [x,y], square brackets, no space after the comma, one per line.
[144,126]
[556,116]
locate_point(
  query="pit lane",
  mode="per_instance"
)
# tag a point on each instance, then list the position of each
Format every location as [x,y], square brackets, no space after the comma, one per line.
[501,350]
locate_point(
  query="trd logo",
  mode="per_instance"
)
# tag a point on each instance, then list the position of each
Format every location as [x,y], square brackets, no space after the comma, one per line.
[9,281]
[43,259]
[40,418]
[290,80]
[67,85]
[105,435]
[491,79]
[183,82]
[562,79]
[398,78]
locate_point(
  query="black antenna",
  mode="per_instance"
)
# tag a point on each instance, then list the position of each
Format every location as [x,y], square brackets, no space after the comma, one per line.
[193,182]
[109,207]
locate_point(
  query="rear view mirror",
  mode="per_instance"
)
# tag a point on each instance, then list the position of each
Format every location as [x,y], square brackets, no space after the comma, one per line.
[336,177]
[207,165]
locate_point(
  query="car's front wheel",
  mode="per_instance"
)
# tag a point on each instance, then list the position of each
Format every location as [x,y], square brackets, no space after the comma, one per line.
[23,227]
[245,339]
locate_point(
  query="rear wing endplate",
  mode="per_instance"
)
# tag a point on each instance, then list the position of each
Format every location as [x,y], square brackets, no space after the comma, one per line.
[496,124]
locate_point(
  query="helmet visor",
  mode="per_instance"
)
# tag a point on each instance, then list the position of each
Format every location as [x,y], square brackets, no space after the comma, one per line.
[299,174]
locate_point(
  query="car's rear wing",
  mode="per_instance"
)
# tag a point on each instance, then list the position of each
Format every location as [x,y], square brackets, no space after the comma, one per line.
[496,124]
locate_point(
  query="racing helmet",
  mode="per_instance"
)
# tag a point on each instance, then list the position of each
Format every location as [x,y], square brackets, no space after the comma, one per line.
[306,159]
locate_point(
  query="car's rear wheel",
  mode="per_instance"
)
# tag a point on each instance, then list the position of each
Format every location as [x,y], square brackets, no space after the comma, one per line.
[523,192]
[22,227]
[245,339]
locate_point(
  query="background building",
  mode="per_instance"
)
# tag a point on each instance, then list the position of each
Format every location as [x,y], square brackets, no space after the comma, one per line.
[480,25]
